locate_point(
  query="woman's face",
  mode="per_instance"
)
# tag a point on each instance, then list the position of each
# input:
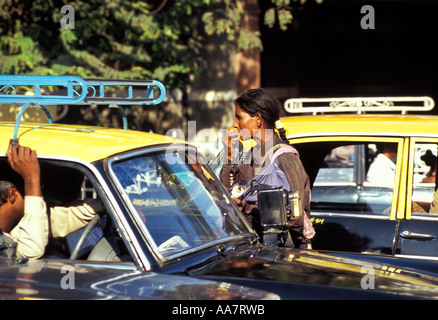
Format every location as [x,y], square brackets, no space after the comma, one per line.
[245,123]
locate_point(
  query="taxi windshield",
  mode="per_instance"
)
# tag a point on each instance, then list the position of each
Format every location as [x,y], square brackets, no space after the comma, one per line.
[178,200]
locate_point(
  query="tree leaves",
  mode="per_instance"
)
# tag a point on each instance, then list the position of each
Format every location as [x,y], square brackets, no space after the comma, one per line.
[21,53]
[281,13]
[284,18]
[125,39]
[249,40]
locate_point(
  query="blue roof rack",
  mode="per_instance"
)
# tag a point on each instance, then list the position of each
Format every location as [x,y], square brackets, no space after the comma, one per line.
[74,90]
[97,95]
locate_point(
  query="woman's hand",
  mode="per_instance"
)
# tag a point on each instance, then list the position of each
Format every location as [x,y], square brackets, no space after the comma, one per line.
[240,203]
[231,143]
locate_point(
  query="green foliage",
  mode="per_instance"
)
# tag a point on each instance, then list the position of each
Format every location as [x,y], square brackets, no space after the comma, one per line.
[281,12]
[159,39]
[284,18]
[111,39]
[223,18]
[21,52]
[249,40]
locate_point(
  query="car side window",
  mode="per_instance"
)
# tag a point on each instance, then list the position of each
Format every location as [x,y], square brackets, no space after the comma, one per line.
[355,178]
[71,186]
[424,198]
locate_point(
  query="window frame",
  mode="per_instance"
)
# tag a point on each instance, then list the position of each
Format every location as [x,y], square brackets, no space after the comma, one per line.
[410,176]
[102,190]
[400,172]
[161,259]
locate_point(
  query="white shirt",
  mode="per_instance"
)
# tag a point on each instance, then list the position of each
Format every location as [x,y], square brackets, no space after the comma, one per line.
[381,172]
[32,232]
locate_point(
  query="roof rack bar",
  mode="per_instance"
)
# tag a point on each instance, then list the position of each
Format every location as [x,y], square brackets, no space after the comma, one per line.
[14,84]
[21,112]
[98,95]
[76,90]
[359,105]
[73,90]
[122,112]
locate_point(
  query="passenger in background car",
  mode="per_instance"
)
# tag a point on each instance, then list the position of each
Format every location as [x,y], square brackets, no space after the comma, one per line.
[26,220]
[382,170]
[434,203]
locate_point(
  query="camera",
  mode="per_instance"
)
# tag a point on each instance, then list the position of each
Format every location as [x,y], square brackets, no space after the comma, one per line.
[276,206]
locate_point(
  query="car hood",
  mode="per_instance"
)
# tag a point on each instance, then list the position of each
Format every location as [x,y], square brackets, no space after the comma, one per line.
[307,274]
[54,279]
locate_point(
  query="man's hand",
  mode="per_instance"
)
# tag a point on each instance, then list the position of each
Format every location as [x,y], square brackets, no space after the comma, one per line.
[24,161]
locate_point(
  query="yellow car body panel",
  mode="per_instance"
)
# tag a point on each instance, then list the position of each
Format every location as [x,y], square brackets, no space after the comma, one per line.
[407,225]
[87,143]
[365,124]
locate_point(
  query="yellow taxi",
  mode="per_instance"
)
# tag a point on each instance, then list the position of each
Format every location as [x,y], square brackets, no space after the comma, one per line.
[372,163]
[110,258]
[169,229]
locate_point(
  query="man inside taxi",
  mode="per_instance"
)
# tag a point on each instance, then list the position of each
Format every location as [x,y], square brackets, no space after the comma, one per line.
[382,170]
[25,220]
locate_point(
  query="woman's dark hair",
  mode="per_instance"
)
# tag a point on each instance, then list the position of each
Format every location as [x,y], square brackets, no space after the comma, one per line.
[260,101]
[263,102]
[4,191]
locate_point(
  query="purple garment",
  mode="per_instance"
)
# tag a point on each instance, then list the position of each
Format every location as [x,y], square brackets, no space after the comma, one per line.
[272,175]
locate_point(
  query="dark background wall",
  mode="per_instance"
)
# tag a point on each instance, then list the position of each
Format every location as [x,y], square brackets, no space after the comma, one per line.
[326,53]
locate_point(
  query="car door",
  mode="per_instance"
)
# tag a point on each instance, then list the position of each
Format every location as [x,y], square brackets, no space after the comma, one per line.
[418,232]
[349,213]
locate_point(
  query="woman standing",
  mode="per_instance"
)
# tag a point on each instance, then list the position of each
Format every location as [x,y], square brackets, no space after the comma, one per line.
[257,114]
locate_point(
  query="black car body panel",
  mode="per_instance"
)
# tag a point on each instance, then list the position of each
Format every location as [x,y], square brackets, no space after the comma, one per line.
[355,234]
[56,279]
[305,274]
[417,237]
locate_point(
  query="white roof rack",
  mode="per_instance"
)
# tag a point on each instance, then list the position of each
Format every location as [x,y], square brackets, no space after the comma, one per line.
[359,105]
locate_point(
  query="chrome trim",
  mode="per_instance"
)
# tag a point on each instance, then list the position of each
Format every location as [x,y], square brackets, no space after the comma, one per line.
[407,256]
[96,285]
[109,266]
[121,220]
[349,215]
[423,218]
[334,184]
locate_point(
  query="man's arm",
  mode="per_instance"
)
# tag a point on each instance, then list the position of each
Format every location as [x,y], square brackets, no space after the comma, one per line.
[67,219]
[31,233]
